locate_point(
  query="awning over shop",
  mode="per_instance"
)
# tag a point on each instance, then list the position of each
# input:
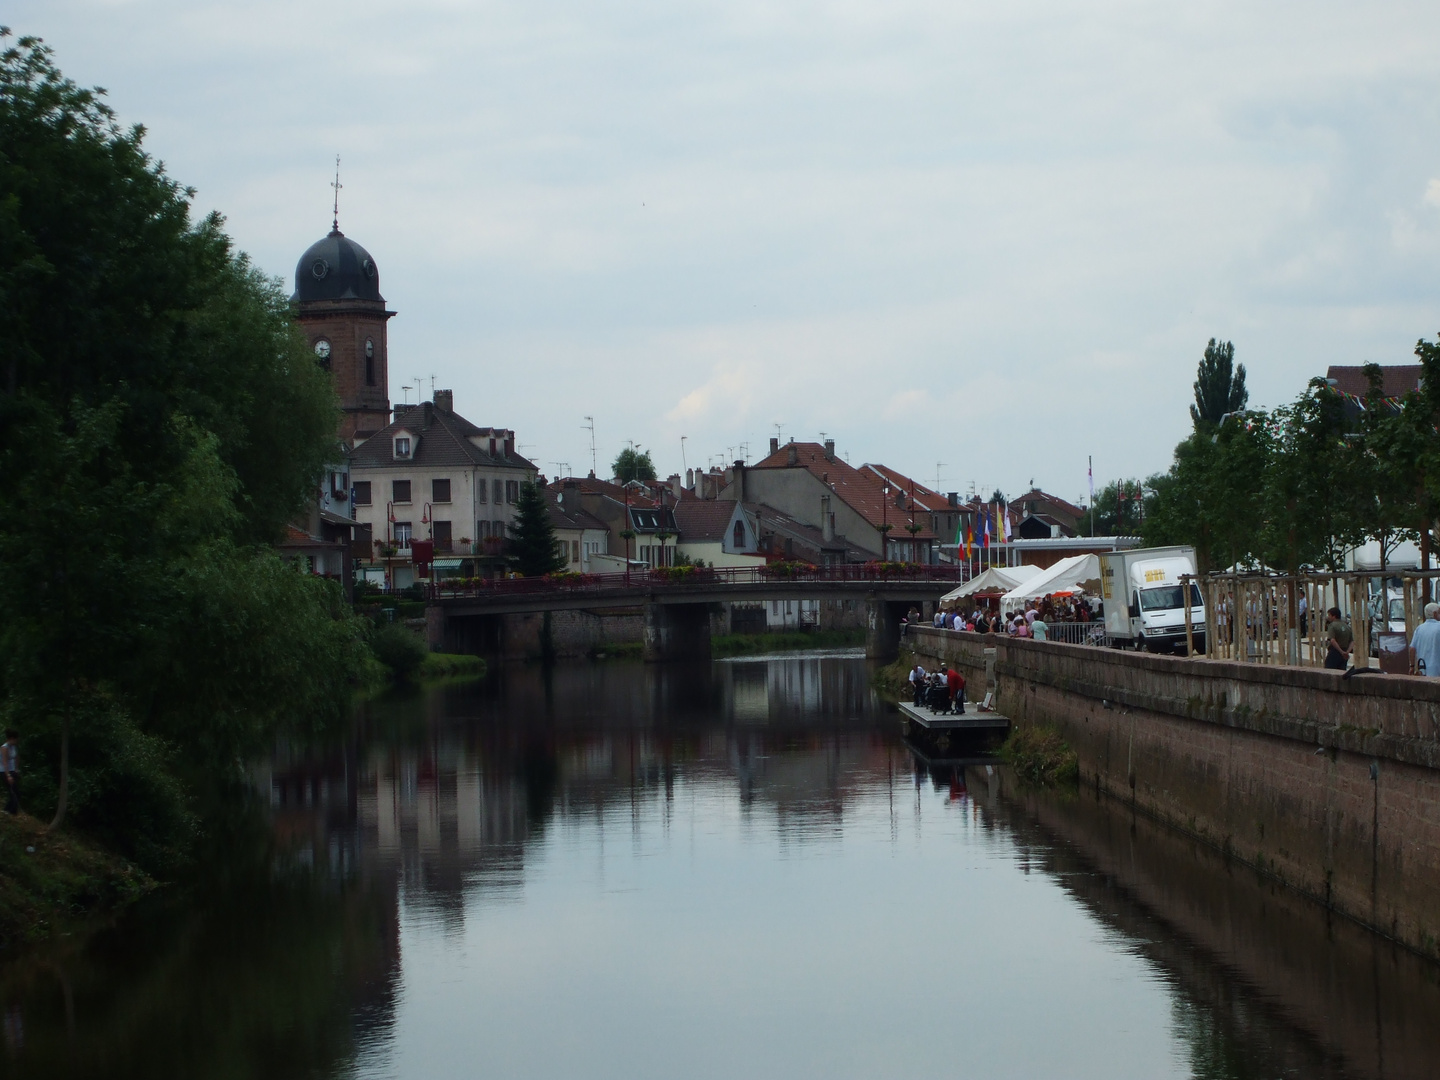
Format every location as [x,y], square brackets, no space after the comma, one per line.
[446,564]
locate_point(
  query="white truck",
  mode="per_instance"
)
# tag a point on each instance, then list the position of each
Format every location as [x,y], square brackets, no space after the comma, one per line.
[1144,601]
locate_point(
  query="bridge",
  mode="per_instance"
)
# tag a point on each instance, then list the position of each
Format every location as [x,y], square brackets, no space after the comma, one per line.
[676,601]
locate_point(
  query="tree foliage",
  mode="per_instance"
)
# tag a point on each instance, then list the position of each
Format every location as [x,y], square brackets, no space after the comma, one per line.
[160,421]
[1219,385]
[633,463]
[534,551]
[1119,509]
[1300,485]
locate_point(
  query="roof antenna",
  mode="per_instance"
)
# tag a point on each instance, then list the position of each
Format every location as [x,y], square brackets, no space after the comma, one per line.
[335,221]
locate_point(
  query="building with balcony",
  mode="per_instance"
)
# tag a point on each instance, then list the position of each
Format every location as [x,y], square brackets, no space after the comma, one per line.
[430,474]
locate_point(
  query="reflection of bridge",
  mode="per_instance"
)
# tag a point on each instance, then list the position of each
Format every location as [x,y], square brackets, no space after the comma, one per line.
[677,600]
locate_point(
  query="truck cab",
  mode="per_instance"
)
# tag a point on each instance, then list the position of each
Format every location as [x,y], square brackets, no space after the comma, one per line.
[1145,601]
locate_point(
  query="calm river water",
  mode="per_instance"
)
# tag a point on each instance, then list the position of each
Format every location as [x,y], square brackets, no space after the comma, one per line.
[735,870]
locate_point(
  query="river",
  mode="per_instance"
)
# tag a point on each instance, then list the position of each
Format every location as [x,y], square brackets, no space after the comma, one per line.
[736,869]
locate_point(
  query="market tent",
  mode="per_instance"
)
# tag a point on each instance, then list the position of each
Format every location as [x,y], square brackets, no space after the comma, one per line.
[997,579]
[1078,573]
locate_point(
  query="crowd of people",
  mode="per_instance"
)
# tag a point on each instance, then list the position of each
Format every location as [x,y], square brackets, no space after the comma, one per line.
[1031,621]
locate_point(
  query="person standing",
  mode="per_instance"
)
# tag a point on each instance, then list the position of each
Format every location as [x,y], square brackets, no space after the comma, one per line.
[955,683]
[1425,645]
[10,766]
[1338,641]
[1040,629]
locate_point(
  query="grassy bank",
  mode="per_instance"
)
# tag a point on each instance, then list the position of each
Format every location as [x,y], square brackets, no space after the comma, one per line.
[892,682]
[50,883]
[784,641]
[1040,755]
[439,665]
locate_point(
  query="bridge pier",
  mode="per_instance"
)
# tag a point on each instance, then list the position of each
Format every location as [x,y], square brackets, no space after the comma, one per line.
[676,632]
[882,627]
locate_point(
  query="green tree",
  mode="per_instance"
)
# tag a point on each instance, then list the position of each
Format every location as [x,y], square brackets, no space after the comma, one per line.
[1120,508]
[632,463]
[160,421]
[1219,386]
[534,551]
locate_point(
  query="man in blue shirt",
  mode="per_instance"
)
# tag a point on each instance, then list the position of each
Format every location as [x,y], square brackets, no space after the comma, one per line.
[1425,645]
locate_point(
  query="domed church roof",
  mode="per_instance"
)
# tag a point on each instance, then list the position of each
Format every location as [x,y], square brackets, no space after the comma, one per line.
[336,268]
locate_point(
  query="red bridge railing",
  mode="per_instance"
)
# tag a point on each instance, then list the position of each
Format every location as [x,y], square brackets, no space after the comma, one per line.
[686,578]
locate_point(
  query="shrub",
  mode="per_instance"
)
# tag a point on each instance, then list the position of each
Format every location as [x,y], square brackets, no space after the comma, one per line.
[399,650]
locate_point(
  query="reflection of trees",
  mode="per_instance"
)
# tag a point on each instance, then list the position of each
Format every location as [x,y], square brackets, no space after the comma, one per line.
[262,972]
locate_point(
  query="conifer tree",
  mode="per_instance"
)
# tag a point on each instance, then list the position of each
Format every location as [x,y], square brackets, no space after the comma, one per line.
[534,550]
[1219,385]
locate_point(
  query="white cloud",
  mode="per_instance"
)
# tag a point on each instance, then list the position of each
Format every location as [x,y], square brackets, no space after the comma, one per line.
[703,219]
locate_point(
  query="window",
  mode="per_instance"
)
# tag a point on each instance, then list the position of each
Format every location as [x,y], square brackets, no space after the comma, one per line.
[439,491]
[498,530]
[339,483]
[739,535]
[400,491]
[440,533]
[499,492]
[402,447]
[362,492]
[512,491]
[402,534]
[369,361]
[574,550]
[482,488]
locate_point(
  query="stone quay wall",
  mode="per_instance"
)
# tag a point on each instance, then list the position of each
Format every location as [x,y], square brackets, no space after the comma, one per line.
[1330,785]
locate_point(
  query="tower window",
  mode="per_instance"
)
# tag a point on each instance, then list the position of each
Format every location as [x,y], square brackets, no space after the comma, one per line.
[369,361]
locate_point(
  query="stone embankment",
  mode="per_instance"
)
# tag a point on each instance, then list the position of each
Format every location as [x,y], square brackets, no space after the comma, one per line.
[1330,785]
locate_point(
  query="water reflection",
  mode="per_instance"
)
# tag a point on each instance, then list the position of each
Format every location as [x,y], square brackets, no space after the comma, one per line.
[738,868]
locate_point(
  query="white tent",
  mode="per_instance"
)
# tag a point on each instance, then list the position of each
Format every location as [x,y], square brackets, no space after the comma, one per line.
[996,579]
[1079,573]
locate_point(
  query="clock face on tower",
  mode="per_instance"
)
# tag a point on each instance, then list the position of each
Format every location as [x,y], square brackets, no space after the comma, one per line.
[322,349]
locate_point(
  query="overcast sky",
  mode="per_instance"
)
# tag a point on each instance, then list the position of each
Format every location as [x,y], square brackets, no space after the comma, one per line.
[994,236]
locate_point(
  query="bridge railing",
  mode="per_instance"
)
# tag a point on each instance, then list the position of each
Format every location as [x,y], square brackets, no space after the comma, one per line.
[678,578]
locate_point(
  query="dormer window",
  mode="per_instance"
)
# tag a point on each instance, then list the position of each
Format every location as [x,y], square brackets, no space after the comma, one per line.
[402,446]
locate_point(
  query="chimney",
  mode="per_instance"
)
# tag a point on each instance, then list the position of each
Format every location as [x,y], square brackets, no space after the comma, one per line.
[739,468]
[445,400]
[827,519]
[829,449]
[675,487]
[774,443]
[954,498]
[402,411]
[690,479]
[793,458]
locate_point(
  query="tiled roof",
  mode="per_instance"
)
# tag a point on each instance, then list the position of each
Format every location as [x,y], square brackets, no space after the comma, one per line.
[1398,379]
[925,498]
[861,490]
[442,440]
[1054,502]
[569,515]
[703,521]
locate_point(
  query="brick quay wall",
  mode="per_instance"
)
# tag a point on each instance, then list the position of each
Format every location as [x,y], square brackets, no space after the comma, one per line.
[1329,785]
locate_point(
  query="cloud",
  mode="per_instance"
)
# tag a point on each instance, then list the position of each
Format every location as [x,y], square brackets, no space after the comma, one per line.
[704,220]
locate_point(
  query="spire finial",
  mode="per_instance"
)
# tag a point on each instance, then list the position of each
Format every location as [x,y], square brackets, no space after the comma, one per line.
[335,221]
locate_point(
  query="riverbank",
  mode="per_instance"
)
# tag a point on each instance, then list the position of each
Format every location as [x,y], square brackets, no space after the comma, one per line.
[722,645]
[52,882]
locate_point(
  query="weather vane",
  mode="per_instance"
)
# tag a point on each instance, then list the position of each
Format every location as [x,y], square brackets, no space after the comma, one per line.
[335,221]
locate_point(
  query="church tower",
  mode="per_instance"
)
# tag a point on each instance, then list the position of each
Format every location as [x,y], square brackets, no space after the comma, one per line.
[339,307]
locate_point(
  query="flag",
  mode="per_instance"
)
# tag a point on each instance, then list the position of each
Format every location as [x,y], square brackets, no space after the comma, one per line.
[969,541]
[985,528]
[1005,525]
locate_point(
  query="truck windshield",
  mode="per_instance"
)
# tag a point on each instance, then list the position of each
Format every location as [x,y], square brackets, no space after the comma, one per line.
[1168,598]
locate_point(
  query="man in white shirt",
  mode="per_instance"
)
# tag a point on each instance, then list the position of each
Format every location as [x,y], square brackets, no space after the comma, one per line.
[1425,645]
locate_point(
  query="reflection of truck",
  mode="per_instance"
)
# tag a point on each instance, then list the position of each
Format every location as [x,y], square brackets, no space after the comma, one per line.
[1144,603]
